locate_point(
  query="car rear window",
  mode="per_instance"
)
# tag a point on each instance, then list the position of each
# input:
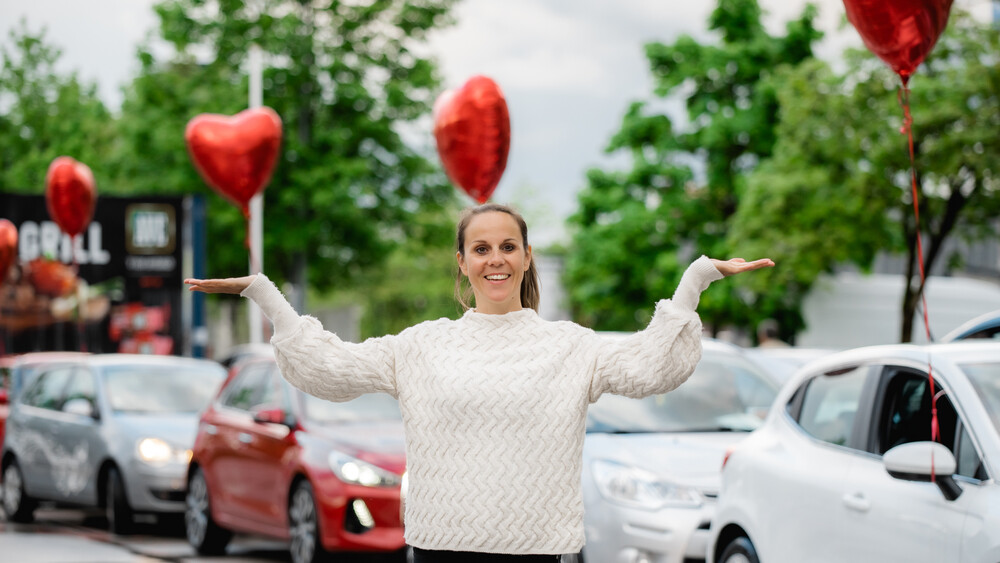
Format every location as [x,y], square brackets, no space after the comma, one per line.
[161,389]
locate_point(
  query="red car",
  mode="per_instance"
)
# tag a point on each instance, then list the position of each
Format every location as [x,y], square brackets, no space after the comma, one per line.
[274,461]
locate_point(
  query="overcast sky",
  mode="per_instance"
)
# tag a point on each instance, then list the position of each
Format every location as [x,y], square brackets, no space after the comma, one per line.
[567,69]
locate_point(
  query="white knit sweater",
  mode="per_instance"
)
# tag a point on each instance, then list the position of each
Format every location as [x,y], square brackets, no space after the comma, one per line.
[494,407]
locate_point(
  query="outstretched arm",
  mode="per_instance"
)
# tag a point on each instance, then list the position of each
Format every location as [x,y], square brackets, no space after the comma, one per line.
[311,358]
[664,355]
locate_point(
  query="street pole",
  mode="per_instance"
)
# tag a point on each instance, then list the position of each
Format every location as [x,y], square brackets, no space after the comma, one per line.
[256,202]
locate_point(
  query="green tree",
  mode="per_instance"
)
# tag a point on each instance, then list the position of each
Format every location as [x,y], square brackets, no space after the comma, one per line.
[346,81]
[636,231]
[839,182]
[45,114]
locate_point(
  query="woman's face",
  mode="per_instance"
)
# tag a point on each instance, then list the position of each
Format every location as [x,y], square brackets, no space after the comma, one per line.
[495,261]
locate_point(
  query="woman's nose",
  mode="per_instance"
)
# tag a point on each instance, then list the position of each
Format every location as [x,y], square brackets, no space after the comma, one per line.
[495,257]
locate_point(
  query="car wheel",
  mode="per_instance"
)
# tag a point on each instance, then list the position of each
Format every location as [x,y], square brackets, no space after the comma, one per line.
[303,526]
[116,507]
[207,537]
[740,550]
[17,505]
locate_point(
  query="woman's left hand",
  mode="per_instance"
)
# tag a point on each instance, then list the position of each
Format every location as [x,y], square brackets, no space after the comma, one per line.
[735,266]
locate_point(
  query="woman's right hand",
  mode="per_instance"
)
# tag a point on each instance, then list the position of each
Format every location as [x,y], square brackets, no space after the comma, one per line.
[227,285]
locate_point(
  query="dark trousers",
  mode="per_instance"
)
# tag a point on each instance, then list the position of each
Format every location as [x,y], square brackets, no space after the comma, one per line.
[434,556]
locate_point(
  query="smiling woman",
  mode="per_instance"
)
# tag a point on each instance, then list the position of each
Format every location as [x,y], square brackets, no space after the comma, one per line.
[494,255]
[494,403]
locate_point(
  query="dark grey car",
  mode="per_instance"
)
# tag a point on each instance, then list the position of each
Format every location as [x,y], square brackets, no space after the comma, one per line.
[110,430]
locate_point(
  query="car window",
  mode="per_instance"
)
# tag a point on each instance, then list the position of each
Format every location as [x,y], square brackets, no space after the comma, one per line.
[905,416]
[967,458]
[159,389]
[249,387]
[829,405]
[47,389]
[81,386]
[725,392]
[985,379]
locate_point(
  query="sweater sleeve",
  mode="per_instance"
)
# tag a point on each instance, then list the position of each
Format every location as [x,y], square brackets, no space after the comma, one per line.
[663,355]
[318,361]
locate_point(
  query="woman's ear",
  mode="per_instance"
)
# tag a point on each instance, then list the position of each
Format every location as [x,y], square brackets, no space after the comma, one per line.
[461,264]
[527,259]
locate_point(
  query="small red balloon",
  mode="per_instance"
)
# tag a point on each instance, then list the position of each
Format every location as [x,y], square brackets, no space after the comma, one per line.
[235,155]
[472,130]
[8,247]
[900,32]
[70,194]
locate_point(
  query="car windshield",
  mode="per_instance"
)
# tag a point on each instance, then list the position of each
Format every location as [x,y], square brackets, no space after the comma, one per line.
[726,393]
[985,380]
[152,389]
[366,408]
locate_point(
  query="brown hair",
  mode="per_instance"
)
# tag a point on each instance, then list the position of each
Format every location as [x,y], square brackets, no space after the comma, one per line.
[529,284]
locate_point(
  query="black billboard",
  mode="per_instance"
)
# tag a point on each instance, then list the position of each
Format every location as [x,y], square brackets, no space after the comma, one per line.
[117,287]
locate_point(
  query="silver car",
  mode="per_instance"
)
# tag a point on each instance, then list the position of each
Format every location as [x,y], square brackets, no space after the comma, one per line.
[108,430]
[652,466]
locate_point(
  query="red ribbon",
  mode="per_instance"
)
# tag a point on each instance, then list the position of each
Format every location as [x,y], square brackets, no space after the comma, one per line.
[907,129]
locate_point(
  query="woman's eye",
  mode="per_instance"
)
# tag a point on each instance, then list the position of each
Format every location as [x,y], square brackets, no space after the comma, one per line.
[481,250]
[509,247]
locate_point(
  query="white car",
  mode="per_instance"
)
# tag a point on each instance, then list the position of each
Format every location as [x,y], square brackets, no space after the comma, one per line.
[651,466]
[842,468]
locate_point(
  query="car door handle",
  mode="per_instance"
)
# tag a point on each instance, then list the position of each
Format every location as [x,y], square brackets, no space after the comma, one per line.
[245,438]
[857,501]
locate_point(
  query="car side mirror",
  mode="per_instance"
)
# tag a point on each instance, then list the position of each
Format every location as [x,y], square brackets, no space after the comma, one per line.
[917,461]
[4,396]
[79,406]
[271,415]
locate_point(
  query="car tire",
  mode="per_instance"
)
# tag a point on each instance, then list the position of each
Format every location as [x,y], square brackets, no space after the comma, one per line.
[207,537]
[303,526]
[17,505]
[740,550]
[116,508]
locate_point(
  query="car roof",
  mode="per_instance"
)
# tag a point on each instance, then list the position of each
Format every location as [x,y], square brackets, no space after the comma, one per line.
[976,324]
[33,357]
[114,359]
[955,352]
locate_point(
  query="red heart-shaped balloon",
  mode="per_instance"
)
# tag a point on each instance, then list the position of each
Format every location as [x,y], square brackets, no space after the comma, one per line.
[900,32]
[472,130]
[70,194]
[236,154]
[8,247]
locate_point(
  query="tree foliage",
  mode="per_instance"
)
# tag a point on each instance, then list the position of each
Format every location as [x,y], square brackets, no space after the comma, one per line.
[345,80]
[45,114]
[840,178]
[636,230]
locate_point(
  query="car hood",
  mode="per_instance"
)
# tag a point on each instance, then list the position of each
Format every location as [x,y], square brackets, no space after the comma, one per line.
[379,443]
[177,429]
[688,458]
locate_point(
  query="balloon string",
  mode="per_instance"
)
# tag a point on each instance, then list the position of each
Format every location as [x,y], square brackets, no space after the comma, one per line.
[904,98]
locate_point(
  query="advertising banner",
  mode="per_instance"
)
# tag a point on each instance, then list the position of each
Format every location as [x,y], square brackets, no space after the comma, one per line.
[115,288]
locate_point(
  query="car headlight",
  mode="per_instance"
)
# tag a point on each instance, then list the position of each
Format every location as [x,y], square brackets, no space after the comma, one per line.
[631,486]
[352,470]
[155,451]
